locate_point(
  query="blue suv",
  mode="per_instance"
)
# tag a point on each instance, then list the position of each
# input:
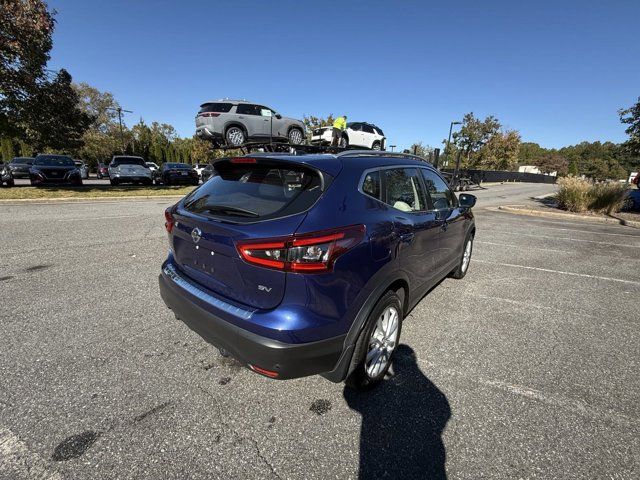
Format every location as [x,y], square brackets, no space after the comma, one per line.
[307,264]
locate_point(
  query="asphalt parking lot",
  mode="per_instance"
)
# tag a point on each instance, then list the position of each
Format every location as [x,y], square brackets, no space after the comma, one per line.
[527,368]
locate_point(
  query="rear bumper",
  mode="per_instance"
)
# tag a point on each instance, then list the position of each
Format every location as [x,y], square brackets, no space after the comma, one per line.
[288,360]
[208,133]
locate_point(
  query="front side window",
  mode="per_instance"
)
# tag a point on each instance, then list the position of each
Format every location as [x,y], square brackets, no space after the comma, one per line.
[404,190]
[441,195]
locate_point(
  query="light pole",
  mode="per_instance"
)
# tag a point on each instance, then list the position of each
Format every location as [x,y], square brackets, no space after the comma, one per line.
[449,140]
[392,147]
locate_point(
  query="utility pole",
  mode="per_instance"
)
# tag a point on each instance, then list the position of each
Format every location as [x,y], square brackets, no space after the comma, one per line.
[392,147]
[119,111]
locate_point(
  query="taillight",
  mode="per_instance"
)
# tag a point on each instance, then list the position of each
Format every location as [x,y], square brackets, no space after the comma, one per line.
[243,160]
[169,220]
[308,253]
[208,114]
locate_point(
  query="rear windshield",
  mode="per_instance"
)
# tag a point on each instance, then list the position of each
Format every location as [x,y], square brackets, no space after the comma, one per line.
[54,161]
[25,161]
[244,192]
[215,107]
[128,161]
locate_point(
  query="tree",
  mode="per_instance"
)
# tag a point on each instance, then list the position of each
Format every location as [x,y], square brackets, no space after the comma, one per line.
[549,162]
[421,150]
[500,151]
[530,153]
[6,146]
[26,29]
[474,133]
[631,116]
[52,118]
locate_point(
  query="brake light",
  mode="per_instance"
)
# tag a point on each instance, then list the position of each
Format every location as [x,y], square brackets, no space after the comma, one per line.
[243,160]
[169,220]
[264,371]
[308,253]
[209,114]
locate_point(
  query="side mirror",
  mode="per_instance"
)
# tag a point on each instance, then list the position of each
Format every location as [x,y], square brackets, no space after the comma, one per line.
[467,200]
[278,116]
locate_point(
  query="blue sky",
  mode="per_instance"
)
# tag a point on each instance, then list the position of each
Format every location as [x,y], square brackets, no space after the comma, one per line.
[556,71]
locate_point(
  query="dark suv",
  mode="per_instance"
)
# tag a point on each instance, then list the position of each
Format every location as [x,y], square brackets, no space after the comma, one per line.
[307,264]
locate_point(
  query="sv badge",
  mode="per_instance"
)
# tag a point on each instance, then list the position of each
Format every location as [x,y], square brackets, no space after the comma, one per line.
[262,288]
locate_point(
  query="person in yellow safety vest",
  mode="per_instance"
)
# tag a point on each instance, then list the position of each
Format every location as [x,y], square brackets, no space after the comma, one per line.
[339,126]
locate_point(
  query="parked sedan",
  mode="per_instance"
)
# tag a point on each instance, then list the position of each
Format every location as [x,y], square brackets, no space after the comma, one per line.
[174,173]
[54,169]
[126,169]
[6,177]
[20,167]
[103,171]
[83,167]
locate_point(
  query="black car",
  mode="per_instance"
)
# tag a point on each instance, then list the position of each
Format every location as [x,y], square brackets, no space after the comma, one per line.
[54,169]
[6,177]
[20,167]
[175,173]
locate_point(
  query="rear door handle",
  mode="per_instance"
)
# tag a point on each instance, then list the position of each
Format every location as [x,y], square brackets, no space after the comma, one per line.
[407,237]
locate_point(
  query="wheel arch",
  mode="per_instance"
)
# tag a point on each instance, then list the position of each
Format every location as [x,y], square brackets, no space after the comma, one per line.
[234,123]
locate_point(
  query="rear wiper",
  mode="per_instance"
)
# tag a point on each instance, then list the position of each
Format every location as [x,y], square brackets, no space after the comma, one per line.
[241,212]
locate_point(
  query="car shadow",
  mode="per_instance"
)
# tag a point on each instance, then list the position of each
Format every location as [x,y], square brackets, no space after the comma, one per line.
[402,423]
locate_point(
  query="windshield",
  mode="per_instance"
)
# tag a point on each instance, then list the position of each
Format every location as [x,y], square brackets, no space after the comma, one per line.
[54,161]
[128,161]
[262,190]
[23,161]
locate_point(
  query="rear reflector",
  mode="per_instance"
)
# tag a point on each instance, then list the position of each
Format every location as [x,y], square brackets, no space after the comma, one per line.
[264,371]
[169,220]
[308,253]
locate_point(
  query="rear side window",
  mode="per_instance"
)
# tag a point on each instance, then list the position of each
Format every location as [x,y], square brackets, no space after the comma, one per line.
[404,190]
[215,107]
[245,192]
[24,161]
[371,184]
[368,128]
[441,195]
[247,109]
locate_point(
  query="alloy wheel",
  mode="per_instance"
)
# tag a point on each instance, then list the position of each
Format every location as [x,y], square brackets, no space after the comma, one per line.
[295,137]
[235,136]
[382,342]
[466,256]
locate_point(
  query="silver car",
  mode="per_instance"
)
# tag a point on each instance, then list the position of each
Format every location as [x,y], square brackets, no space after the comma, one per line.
[128,169]
[83,167]
[234,122]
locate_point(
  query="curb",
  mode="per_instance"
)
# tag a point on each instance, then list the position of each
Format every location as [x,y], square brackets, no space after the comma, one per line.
[86,199]
[522,210]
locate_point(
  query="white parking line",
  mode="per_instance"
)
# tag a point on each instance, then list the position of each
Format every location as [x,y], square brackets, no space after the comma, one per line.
[560,272]
[568,239]
[17,462]
[520,247]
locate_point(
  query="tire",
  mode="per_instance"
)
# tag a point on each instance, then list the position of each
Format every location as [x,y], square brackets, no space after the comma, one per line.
[11,183]
[463,265]
[372,340]
[235,136]
[343,142]
[113,182]
[295,136]
[375,146]
[98,176]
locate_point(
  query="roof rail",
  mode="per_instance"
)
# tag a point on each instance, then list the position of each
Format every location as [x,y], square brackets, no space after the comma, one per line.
[378,153]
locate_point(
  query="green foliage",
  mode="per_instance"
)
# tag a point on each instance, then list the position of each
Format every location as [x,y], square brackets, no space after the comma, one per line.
[474,134]
[551,161]
[421,150]
[500,151]
[6,145]
[581,195]
[311,123]
[631,117]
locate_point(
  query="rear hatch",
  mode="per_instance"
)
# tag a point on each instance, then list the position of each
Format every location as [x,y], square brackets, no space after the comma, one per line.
[246,199]
[211,110]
